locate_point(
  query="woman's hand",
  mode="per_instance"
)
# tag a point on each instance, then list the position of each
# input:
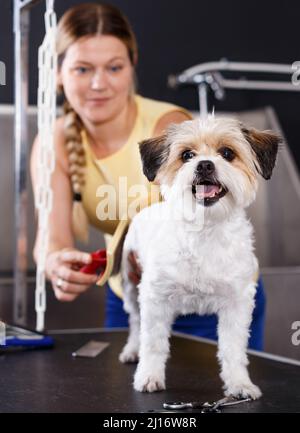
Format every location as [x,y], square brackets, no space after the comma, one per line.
[136,270]
[62,269]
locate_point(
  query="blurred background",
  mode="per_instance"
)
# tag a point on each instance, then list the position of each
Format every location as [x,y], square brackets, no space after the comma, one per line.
[173,36]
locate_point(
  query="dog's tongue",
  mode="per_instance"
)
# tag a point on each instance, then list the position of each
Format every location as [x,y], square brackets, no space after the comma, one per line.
[203,191]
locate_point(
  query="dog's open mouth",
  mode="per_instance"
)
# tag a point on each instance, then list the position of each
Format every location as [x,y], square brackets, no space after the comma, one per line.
[208,192]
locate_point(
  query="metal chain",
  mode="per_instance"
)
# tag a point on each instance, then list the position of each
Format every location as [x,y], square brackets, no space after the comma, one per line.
[47,63]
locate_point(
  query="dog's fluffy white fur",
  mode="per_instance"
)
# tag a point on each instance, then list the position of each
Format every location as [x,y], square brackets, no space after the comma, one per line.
[196,247]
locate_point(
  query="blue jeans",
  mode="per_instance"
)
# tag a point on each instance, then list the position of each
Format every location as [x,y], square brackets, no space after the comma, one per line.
[193,324]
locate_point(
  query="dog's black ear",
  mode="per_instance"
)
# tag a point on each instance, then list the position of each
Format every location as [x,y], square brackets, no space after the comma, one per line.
[265,145]
[154,152]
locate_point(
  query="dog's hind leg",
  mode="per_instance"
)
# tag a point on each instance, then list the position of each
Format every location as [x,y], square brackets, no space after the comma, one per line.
[131,349]
[131,306]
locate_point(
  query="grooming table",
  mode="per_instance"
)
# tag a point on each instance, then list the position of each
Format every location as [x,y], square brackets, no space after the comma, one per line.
[51,380]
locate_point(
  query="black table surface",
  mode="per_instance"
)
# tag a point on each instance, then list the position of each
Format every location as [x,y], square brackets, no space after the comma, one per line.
[51,380]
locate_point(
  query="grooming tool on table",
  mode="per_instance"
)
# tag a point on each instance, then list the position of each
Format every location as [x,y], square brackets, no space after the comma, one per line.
[206,406]
[90,349]
[14,337]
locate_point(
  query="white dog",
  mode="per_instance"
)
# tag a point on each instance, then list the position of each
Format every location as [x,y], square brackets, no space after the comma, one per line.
[196,247]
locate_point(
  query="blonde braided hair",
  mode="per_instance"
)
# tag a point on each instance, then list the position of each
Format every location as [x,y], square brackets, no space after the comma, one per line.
[87,19]
[77,165]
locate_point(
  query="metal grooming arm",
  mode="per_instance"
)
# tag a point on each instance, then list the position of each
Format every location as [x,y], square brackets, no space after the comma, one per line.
[21,43]
[209,74]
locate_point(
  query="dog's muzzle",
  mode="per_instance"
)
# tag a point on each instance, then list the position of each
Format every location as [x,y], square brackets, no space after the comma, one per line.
[205,188]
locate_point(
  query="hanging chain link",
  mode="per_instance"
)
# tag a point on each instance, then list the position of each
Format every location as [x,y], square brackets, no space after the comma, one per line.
[47,63]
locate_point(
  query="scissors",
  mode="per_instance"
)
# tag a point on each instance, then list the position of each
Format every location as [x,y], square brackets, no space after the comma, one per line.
[206,407]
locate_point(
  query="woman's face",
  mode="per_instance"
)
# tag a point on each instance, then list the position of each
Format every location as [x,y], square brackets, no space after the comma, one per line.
[97,77]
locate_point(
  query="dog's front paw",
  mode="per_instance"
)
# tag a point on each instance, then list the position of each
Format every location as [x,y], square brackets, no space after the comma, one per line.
[247,390]
[129,355]
[148,382]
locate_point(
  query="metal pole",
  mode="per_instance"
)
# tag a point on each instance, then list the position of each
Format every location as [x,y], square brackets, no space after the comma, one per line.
[21,28]
[21,45]
[27,3]
[193,74]
[203,96]
[225,65]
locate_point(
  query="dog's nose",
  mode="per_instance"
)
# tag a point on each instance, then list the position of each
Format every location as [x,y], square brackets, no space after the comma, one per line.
[205,168]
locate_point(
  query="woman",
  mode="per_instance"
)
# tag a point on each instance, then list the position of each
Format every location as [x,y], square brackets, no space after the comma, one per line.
[96,145]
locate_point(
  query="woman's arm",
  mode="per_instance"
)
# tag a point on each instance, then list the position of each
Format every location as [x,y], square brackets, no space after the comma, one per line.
[60,232]
[63,260]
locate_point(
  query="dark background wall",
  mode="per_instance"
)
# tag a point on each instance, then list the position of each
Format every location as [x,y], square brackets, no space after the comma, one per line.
[177,34]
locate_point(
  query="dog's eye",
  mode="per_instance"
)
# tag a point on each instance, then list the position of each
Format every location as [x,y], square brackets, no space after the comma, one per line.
[186,155]
[227,153]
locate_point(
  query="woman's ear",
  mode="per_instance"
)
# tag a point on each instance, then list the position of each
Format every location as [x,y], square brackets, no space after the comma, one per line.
[154,153]
[265,146]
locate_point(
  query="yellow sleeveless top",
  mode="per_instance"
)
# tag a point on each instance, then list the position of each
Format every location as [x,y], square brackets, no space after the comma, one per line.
[116,183]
